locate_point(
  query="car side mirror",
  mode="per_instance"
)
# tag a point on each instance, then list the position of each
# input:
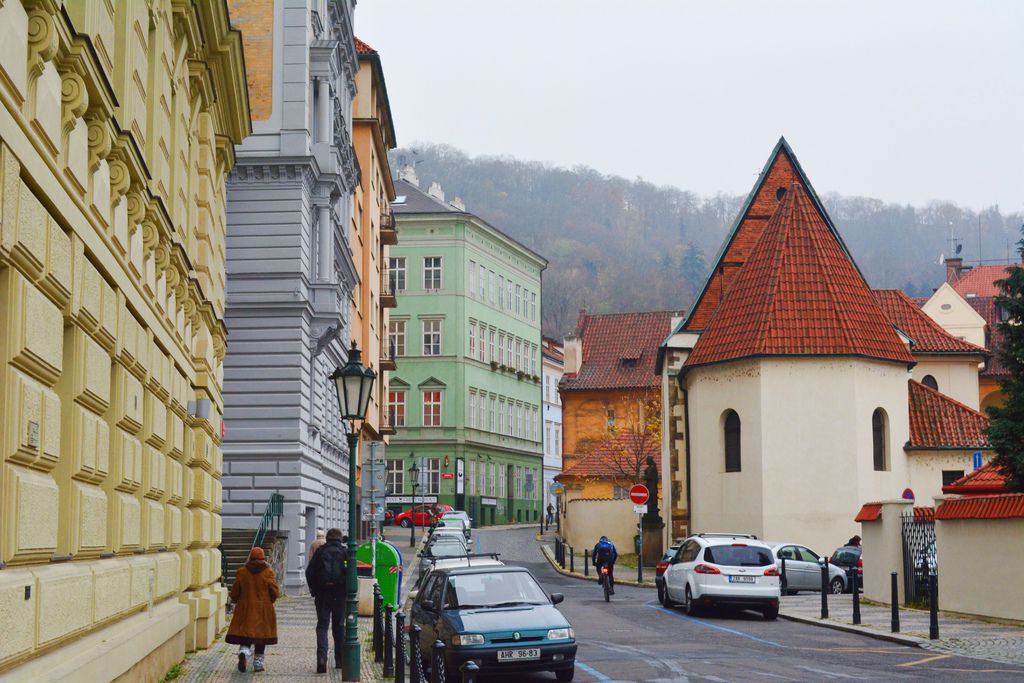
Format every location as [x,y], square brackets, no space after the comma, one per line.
[413,594]
[674,560]
[428,605]
[557,598]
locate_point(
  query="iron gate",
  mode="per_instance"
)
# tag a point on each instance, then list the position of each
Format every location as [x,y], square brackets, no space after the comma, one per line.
[919,557]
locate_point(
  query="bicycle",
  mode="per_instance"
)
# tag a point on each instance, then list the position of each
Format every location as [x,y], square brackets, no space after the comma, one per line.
[605,583]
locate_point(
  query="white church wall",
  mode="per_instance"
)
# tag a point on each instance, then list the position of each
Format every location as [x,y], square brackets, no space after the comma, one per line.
[926,469]
[957,378]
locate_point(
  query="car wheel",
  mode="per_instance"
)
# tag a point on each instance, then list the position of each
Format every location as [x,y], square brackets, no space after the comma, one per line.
[690,604]
[565,675]
[770,613]
[405,523]
[663,596]
[837,586]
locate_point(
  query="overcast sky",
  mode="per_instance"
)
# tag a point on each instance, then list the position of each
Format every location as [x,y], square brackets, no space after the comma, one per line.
[902,100]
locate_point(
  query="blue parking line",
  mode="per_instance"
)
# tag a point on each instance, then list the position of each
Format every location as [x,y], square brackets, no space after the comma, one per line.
[715,626]
[592,671]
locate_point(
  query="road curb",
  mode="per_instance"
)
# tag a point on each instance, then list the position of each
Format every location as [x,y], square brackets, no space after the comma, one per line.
[909,641]
[550,556]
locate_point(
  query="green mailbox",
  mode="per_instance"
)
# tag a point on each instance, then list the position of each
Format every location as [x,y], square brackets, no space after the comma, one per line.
[389,569]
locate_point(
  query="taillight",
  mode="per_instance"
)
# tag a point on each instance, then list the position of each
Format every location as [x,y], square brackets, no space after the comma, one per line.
[661,566]
[772,571]
[739,545]
[706,569]
[860,564]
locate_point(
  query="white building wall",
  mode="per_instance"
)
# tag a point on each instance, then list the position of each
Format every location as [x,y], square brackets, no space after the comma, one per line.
[955,315]
[957,378]
[552,373]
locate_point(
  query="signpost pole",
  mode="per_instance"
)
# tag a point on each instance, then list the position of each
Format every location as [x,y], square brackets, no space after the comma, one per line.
[640,552]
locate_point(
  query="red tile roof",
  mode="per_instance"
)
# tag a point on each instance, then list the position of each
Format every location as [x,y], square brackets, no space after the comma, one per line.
[869,512]
[1002,506]
[940,422]
[980,281]
[986,307]
[987,479]
[927,335]
[924,514]
[612,461]
[553,349]
[364,49]
[619,350]
[798,294]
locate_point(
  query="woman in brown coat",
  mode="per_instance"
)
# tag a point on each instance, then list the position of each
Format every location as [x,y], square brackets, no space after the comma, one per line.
[254,621]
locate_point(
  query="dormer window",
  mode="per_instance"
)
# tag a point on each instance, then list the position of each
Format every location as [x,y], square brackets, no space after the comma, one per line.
[627,362]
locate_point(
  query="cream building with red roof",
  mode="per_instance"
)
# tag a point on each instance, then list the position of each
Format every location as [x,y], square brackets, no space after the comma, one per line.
[791,390]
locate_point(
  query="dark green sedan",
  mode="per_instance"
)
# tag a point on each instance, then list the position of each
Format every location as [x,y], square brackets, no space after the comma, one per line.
[498,617]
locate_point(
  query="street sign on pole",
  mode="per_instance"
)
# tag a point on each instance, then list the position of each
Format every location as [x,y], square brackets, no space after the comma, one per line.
[976,460]
[639,494]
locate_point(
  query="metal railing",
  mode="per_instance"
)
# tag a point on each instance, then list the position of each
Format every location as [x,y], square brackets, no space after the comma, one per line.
[271,519]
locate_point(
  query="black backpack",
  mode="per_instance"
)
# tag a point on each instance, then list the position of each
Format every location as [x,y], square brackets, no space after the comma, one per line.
[332,566]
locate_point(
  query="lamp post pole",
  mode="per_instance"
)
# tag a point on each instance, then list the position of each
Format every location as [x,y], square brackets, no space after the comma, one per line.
[414,471]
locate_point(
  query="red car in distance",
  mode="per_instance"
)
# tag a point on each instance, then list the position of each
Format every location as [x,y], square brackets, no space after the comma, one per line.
[425,515]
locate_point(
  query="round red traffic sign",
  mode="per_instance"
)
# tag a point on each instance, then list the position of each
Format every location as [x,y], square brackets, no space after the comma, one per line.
[639,494]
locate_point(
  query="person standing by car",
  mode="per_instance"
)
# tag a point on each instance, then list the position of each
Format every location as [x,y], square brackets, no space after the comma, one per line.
[254,621]
[325,576]
[605,555]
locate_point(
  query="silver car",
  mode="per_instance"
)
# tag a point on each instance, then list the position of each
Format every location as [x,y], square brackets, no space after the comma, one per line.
[803,569]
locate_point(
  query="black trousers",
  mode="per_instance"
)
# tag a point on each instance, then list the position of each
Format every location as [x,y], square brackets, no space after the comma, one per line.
[330,611]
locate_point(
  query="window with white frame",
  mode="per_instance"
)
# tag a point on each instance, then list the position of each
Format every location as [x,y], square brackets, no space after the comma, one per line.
[536,423]
[502,491]
[472,338]
[508,350]
[483,283]
[533,307]
[508,407]
[490,286]
[396,477]
[501,348]
[433,476]
[519,481]
[490,478]
[472,278]
[501,292]
[501,415]
[431,337]
[480,342]
[396,337]
[492,418]
[547,388]
[482,421]
[396,273]
[431,408]
[471,478]
[548,444]
[431,272]
[396,407]
[492,356]
[519,298]
[519,355]
[508,291]
[472,408]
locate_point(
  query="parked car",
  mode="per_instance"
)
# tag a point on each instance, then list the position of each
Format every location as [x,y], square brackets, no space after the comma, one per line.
[451,563]
[424,515]
[498,617]
[459,514]
[659,569]
[723,569]
[803,569]
[848,557]
[448,532]
[453,523]
[446,546]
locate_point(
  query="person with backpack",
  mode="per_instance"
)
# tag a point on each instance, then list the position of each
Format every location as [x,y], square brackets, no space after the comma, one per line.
[604,555]
[325,576]
[254,621]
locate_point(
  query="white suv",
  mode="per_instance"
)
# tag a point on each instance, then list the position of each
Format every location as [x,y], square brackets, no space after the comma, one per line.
[723,569]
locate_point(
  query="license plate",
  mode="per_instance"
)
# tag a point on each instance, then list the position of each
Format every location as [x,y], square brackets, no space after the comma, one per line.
[742,579]
[518,655]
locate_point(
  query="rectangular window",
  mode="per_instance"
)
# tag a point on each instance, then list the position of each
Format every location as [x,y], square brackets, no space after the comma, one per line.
[492,419]
[490,287]
[519,355]
[431,337]
[472,338]
[396,477]
[483,412]
[480,342]
[396,273]
[501,348]
[396,337]
[471,478]
[548,444]
[558,440]
[508,407]
[533,307]
[501,292]
[610,418]
[490,479]
[396,408]
[508,349]
[501,416]
[431,272]
[472,409]
[547,388]
[519,298]
[518,476]
[508,291]
[432,408]
[492,356]
[483,283]
[472,278]
[949,476]
[433,476]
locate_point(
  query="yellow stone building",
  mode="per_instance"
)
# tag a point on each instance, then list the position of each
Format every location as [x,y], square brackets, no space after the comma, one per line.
[117,126]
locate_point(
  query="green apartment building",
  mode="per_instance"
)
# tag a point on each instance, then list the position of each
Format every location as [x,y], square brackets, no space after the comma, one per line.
[465,402]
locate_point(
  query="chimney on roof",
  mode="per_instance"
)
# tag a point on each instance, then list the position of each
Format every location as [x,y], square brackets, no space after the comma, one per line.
[954,266]
[408,174]
[459,204]
[572,351]
[435,191]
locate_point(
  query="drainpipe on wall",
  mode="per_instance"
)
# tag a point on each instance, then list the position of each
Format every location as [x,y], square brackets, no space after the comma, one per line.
[686,426]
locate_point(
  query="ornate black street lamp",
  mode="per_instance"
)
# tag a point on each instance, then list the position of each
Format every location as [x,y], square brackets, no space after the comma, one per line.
[415,472]
[354,384]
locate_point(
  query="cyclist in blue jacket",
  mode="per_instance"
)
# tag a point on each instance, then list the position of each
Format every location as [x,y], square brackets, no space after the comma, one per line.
[604,555]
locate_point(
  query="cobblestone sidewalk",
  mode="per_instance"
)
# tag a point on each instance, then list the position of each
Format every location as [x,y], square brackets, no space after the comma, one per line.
[292,659]
[994,642]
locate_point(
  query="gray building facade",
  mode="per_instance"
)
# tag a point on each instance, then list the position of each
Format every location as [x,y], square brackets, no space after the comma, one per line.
[291,274]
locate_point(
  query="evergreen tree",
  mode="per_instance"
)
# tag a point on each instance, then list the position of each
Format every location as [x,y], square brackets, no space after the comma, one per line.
[1006,433]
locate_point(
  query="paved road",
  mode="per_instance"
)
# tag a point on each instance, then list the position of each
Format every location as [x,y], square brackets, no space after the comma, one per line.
[633,638]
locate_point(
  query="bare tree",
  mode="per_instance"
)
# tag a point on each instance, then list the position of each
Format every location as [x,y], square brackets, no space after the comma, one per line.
[628,440]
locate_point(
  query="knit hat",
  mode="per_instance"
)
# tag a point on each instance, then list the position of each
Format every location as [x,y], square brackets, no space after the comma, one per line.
[257,554]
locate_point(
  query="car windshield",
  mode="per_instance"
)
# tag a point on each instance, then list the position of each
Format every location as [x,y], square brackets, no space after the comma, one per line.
[738,556]
[444,547]
[500,589]
[452,522]
[845,556]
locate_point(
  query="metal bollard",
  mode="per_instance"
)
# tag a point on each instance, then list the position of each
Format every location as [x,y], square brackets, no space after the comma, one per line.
[415,656]
[469,672]
[572,559]
[933,607]
[586,564]
[389,643]
[824,588]
[378,631]
[437,663]
[895,621]
[783,581]
[399,647]
[856,596]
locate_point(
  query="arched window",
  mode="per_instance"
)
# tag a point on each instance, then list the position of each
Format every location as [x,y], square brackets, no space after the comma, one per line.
[930,382]
[878,438]
[732,441]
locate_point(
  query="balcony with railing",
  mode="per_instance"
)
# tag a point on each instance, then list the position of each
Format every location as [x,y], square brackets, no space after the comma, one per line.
[388,230]
[387,357]
[387,295]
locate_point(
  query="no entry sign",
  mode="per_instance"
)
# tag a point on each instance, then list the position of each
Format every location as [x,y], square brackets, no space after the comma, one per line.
[639,494]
